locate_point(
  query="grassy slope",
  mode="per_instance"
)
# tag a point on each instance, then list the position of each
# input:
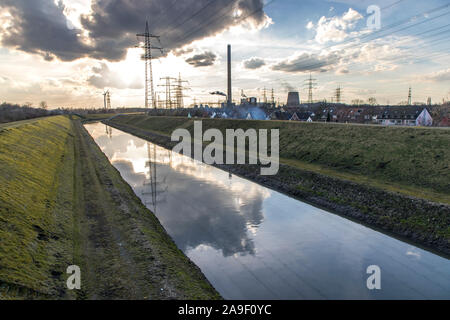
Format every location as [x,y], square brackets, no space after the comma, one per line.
[412,161]
[62,203]
[36,225]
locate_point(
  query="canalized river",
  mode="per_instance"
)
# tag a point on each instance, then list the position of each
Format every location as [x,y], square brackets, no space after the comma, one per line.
[255,243]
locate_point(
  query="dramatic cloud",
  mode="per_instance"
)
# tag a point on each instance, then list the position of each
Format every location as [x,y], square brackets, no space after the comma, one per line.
[254,63]
[182,51]
[202,60]
[103,77]
[40,26]
[336,28]
[379,55]
[306,62]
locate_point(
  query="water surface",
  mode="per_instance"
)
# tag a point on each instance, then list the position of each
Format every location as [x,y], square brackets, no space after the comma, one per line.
[255,243]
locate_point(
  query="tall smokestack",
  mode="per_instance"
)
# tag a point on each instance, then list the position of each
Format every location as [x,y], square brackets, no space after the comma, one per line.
[229,97]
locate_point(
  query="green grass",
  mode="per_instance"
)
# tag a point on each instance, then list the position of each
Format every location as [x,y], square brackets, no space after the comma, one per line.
[413,161]
[32,158]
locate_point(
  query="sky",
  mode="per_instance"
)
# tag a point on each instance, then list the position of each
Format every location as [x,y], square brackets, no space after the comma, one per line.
[68,52]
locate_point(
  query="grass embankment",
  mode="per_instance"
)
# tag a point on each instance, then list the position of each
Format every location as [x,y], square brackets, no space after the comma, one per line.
[62,203]
[393,178]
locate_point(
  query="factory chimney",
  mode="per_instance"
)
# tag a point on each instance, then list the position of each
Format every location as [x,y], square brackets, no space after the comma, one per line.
[229,95]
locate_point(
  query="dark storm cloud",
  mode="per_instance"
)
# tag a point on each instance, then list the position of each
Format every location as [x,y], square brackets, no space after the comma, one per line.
[204,59]
[254,63]
[40,26]
[308,62]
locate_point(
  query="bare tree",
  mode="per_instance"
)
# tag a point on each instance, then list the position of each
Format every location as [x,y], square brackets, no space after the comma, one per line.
[43,105]
[372,101]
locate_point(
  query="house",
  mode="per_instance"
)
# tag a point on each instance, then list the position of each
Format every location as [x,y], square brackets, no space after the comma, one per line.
[405,115]
[294,117]
[445,122]
[280,115]
[424,119]
[302,116]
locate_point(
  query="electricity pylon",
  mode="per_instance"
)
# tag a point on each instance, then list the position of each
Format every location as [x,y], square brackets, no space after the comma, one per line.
[311,83]
[147,57]
[168,85]
[409,97]
[179,91]
[107,100]
[338,94]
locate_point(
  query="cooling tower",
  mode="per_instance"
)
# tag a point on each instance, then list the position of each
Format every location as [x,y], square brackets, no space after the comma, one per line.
[293,99]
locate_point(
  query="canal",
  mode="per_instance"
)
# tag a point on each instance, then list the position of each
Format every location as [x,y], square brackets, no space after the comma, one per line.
[255,243]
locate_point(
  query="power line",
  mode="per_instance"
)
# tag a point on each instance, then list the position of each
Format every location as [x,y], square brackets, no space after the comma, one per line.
[189,18]
[320,63]
[186,36]
[161,16]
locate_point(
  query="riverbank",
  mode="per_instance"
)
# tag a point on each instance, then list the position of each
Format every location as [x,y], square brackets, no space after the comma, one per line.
[394,209]
[62,203]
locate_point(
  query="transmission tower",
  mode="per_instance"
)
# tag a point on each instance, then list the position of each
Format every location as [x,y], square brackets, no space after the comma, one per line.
[264,96]
[104,100]
[272,98]
[107,100]
[147,57]
[409,96]
[168,85]
[311,83]
[179,91]
[338,94]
